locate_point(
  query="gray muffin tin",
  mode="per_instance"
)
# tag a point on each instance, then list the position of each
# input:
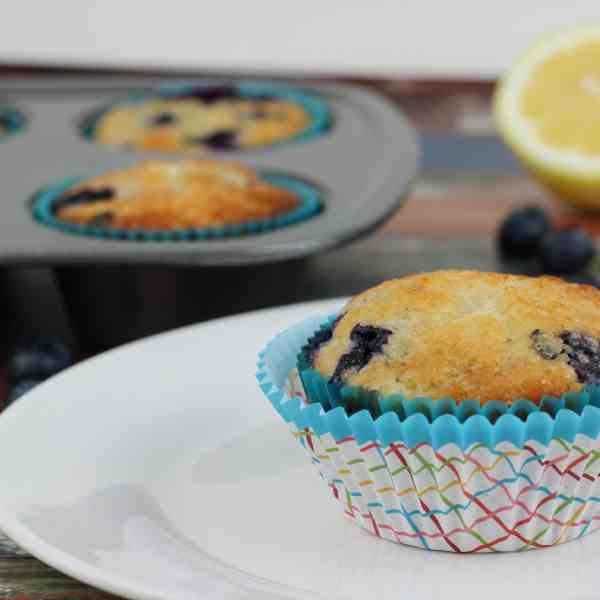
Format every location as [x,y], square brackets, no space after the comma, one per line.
[363,165]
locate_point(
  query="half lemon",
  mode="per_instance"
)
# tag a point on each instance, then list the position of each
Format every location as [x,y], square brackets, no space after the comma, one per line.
[547,109]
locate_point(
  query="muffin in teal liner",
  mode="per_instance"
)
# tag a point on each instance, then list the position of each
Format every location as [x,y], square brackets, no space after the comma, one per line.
[463,473]
[223,117]
[11,121]
[178,200]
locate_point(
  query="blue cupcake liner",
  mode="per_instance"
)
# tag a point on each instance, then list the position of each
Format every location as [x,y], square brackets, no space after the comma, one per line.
[13,121]
[418,420]
[316,108]
[310,205]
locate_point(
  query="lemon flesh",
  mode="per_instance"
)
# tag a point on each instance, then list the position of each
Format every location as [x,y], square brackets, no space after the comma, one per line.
[547,108]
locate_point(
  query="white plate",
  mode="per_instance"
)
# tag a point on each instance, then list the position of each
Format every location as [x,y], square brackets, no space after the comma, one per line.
[158,471]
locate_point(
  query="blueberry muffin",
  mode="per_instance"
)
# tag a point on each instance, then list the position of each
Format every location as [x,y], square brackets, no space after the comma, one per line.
[219,118]
[464,335]
[168,195]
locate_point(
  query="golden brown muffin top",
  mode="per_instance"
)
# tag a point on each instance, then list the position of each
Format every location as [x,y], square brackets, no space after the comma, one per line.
[175,194]
[171,125]
[467,335]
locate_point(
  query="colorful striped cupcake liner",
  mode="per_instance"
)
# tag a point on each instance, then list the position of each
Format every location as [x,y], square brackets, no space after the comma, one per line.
[316,108]
[310,205]
[461,482]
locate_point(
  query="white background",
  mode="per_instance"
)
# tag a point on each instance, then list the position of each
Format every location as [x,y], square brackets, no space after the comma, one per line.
[373,37]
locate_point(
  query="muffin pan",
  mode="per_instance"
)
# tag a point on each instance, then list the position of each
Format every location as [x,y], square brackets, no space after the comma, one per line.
[362,166]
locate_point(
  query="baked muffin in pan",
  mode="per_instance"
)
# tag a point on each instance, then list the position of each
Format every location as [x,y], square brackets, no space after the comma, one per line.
[223,117]
[177,199]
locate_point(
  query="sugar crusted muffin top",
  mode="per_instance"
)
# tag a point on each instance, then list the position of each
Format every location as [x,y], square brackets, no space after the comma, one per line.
[466,335]
[166,195]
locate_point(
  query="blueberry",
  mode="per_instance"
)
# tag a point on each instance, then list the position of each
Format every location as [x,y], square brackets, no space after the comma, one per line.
[221,140]
[163,119]
[583,355]
[38,358]
[582,351]
[522,231]
[83,197]
[208,95]
[20,388]
[367,341]
[566,251]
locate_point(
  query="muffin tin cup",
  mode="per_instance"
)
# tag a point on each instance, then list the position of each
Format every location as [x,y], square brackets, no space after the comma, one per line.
[309,206]
[448,478]
[320,116]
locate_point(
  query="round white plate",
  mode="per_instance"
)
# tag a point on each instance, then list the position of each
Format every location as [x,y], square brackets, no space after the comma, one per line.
[159,471]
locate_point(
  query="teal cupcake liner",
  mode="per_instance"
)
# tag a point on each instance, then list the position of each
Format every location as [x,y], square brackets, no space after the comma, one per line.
[12,120]
[310,205]
[341,410]
[316,108]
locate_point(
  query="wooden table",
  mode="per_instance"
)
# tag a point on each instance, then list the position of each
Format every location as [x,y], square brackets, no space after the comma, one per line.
[469,183]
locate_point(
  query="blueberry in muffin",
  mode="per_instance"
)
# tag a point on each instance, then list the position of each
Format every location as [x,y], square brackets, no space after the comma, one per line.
[167,195]
[218,117]
[464,335]
[366,341]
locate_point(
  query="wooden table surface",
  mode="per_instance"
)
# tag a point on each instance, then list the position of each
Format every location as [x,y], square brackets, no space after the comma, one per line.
[468,184]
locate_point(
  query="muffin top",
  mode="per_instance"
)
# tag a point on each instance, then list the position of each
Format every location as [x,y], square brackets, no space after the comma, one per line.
[212,118]
[164,195]
[466,335]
